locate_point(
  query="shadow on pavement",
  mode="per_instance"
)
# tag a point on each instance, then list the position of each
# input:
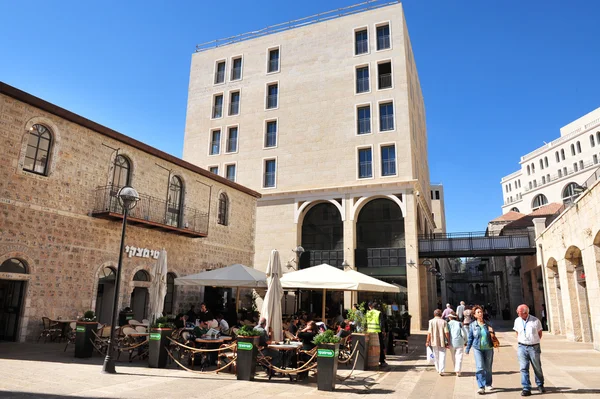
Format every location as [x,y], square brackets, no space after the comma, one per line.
[16,394]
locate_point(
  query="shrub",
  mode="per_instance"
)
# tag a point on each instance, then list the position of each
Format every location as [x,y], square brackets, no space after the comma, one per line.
[326,337]
[248,331]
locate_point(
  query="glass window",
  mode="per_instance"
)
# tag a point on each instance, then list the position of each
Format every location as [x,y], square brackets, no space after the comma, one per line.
[361,42]
[223,209]
[218,106]
[169,298]
[214,169]
[234,103]
[272,93]
[581,165]
[514,209]
[273,60]
[528,170]
[236,69]
[570,193]
[121,172]
[572,149]
[578,147]
[362,79]
[230,172]
[383,37]
[386,117]
[384,71]
[541,164]
[232,138]
[575,168]
[364,119]
[592,141]
[141,275]
[557,157]
[595,158]
[270,170]
[539,200]
[13,265]
[562,154]
[388,161]
[365,163]
[38,150]
[220,72]
[215,142]
[271,134]
[174,202]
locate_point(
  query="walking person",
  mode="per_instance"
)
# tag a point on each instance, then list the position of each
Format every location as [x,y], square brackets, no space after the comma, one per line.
[481,342]
[529,334]
[460,311]
[457,342]
[437,339]
[447,311]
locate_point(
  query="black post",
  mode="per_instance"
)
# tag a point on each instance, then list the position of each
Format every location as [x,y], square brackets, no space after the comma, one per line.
[109,362]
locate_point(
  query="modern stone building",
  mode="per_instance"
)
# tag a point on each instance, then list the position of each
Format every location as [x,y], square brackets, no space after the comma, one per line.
[60,225]
[323,116]
[556,171]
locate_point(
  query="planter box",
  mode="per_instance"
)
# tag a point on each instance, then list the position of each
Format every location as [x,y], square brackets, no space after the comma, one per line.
[362,350]
[84,337]
[247,350]
[327,364]
[157,347]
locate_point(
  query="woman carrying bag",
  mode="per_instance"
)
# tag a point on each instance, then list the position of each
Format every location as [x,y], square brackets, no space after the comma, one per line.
[480,339]
[457,342]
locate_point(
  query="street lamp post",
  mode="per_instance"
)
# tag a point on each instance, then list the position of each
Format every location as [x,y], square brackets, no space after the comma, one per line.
[128,199]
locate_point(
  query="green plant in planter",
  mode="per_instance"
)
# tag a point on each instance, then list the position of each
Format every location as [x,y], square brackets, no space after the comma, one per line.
[326,337]
[88,316]
[358,317]
[162,322]
[248,331]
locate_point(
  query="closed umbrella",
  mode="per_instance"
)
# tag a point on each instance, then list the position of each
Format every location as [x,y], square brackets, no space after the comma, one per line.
[271,309]
[158,289]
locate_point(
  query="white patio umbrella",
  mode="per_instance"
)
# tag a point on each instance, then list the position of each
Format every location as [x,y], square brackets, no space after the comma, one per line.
[368,283]
[158,289]
[271,309]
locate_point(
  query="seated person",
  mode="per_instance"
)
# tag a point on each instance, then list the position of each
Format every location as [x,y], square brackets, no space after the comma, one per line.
[204,314]
[293,327]
[264,335]
[182,321]
[307,334]
[321,326]
[222,325]
[342,332]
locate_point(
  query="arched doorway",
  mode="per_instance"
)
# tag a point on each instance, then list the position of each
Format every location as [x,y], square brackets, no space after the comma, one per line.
[322,236]
[168,307]
[557,319]
[11,299]
[578,295]
[140,295]
[105,294]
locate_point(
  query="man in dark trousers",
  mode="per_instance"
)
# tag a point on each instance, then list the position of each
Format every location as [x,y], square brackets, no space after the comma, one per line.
[376,324]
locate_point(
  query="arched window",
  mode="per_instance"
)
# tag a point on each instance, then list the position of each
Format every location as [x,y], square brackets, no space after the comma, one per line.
[541,164]
[174,202]
[578,147]
[13,265]
[38,150]
[562,154]
[592,141]
[222,217]
[121,172]
[528,170]
[532,168]
[570,193]
[141,275]
[539,200]
[546,161]
[557,157]
[598,137]
[170,296]
[514,209]
[572,149]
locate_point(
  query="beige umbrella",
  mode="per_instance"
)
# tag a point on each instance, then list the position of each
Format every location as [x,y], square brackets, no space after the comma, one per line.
[158,289]
[271,309]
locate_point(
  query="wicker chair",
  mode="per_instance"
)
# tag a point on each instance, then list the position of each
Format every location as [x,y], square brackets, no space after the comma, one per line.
[49,330]
[70,336]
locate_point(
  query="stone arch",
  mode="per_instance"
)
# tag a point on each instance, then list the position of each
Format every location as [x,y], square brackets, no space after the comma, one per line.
[306,206]
[56,142]
[554,308]
[358,205]
[577,296]
[94,299]
[140,290]
[30,265]
[133,164]
[321,231]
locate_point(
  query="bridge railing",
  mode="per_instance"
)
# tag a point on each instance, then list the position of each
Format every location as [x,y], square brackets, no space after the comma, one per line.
[475,241]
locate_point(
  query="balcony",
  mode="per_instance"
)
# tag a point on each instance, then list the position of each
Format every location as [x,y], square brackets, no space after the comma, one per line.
[151,213]
[385,81]
[312,258]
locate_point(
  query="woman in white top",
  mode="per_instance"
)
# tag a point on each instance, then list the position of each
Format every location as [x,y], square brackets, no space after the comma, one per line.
[457,342]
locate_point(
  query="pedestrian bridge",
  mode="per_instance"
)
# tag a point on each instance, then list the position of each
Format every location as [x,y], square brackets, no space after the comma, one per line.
[474,244]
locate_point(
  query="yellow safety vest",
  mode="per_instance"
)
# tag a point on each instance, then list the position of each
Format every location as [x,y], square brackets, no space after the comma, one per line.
[373,321]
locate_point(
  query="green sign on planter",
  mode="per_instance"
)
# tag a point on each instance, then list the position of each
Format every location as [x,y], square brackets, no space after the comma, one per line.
[155,336]
[80,329]
[245,346]
[325,353]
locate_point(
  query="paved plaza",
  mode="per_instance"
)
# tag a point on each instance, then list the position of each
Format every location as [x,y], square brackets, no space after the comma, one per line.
[572,370]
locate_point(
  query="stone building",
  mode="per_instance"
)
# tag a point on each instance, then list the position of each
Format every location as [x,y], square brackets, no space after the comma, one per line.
[323,116]
[60,225]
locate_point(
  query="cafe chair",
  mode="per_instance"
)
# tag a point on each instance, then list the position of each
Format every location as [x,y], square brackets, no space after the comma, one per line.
[49,330]
[227,358]
[71,334]
[146,321]
[141,329]
[133,322]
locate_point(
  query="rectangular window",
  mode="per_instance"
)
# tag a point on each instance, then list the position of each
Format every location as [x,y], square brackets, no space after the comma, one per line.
[272,94]
[437,195]
[383,37]
[271,134]
[384,75]
[388,160]
[559,173]
[214,169]
[386,117]
[365,163]
[220,72]
[362,79]
[575,168]
[215,142]
[230,172]
[565,171]
[581,165]
[543,179]
[361,42]
[232,138]
[270,170]
[273,60]
[236,69]
[364,119]
[234,103]
[595,157]
[218,106]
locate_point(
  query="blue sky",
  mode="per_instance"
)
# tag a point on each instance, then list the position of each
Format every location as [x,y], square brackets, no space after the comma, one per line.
[498,77]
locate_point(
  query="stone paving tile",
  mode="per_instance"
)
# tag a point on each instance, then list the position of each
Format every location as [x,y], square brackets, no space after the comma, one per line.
[572,370]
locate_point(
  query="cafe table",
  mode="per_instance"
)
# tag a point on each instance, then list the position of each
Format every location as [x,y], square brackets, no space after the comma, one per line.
[210,343]
[64,325]
[287,355]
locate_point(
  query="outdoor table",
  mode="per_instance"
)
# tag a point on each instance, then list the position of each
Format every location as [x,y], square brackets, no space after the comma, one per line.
[287,354]
[64,326]
[211,343]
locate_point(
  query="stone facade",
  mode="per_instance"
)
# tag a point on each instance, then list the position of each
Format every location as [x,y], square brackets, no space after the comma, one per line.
[569,253]
[46,220]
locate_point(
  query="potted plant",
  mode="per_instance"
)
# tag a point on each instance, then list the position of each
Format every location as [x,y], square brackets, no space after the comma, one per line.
[359,338]
[84,335]
[158,342]
[247,350]
[328,349]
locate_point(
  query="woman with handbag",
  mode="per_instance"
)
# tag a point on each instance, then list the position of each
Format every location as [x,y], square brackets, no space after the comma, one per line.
[457,342]
[480,339]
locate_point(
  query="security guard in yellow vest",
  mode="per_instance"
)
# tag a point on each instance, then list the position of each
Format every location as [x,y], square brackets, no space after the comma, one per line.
[375,325]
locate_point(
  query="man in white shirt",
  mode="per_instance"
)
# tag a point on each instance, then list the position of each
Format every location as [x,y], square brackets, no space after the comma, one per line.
[460,310]
[529,334]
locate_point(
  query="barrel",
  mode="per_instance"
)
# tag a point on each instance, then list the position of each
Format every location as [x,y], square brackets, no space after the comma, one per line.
[373,352]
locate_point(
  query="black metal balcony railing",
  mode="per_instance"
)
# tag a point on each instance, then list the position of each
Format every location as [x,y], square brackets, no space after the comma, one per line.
[362,47]
[386,122]
[475,244]
[269,180]
[220,77]
[385,81]
[364,126]
[274,65]
[232,145]
[215,148]
[388,167]
[236,73]
[314,257]
[234,108]
[362,85]
[272,101]
[383,42]
[271,139]
[217,111]
[380,257]
[152,212]
[365,169]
